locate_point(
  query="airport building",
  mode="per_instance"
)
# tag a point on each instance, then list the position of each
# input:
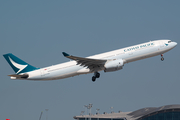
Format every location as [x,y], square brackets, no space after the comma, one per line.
[168,112]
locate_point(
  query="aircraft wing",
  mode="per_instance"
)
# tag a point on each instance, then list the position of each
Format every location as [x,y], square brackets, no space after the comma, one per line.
[92,64]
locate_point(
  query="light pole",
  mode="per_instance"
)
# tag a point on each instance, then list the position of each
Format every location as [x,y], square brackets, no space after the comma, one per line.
[97,113]
[89,107]
[111,111]
[82,113]
[46,114]
[85,110]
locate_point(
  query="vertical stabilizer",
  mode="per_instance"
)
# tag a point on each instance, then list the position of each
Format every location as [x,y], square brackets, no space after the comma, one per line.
[18,65]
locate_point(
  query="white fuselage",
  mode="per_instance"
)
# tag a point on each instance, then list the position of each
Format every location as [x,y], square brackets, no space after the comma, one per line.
[128,54]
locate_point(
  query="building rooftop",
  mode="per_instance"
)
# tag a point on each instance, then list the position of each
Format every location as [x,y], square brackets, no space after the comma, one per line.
[138,114]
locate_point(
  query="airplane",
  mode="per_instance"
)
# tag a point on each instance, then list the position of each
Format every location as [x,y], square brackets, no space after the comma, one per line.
[107,62]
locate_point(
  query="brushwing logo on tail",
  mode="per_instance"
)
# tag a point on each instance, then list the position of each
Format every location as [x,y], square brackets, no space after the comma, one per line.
[20,67]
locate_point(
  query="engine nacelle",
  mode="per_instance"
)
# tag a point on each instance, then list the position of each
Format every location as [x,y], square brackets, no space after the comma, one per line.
[114,65]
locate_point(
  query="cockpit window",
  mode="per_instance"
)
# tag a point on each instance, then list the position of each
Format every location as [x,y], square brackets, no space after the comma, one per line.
[169,41]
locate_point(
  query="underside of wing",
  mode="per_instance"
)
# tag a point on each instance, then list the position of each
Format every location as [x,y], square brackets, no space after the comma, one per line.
[92,64]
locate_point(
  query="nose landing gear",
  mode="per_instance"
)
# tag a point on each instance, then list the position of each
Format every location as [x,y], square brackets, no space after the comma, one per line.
[162,58]
[96,75]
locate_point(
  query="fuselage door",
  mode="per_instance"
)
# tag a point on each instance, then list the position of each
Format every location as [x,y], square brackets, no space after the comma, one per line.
[44,71]
[161,44]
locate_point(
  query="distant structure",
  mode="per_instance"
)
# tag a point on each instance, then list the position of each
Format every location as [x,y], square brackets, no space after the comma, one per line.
[168,112]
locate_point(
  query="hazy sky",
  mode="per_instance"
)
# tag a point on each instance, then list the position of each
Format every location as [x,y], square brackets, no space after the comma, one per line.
[39,31]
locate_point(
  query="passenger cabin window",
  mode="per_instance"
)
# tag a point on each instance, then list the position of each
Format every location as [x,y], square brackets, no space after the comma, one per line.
[169,41]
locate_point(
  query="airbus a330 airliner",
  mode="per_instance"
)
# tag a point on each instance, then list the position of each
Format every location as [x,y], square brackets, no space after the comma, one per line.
[108,62]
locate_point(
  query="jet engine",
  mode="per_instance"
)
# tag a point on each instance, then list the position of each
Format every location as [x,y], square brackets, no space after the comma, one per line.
[114,65]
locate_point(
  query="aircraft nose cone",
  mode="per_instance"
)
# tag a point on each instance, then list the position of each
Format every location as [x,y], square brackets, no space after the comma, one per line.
[174,44]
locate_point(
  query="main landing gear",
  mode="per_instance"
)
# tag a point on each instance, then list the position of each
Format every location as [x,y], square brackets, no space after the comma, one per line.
[96,75]
[162,58]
